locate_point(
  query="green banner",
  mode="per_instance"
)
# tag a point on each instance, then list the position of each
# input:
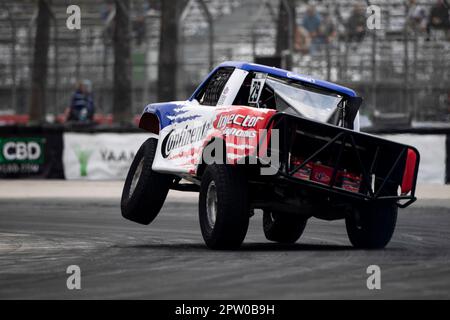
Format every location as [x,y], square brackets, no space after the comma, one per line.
[22,150]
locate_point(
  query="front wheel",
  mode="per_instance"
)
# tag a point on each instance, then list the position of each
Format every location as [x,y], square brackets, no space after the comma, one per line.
[223,207]
[371,226]
[145,190]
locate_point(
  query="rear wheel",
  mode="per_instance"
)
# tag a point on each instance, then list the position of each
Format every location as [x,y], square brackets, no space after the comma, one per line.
[145,190]
[371,226]
[223,207]
[282,227]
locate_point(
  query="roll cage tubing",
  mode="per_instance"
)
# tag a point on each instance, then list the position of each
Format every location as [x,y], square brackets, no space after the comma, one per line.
[347,140]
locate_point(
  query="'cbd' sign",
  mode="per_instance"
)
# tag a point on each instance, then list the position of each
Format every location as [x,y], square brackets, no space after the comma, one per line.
[22,150]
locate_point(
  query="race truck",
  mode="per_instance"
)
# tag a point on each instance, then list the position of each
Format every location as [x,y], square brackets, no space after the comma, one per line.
[254,138]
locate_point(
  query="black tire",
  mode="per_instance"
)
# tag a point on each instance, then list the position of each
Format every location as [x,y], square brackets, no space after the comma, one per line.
[227,197]
[143,204]
[283,228]
[371,226]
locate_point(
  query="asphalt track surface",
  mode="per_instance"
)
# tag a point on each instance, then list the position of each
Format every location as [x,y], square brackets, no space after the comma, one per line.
[40,238]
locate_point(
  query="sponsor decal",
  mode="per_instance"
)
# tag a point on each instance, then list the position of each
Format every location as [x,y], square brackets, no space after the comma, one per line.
[239,133]
[177,139]
[244,121]
[299,77]
[21,155]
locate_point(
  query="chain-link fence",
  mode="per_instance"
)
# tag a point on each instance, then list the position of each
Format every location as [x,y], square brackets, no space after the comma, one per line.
[398,67]
[403,66]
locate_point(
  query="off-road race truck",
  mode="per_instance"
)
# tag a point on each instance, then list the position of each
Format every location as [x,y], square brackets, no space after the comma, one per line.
[256,137]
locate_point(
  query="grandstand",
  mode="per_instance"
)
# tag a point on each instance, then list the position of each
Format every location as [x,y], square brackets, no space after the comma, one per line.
[397,71]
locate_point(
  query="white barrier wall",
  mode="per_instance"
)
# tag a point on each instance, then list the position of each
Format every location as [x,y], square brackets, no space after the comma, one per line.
[432,151]
[102,156]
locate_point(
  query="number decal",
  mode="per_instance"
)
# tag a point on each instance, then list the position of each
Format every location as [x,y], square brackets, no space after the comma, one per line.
[255,90]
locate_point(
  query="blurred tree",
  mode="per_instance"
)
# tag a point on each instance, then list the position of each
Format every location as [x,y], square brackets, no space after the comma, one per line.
[168,49]
[40,63]
[122,90]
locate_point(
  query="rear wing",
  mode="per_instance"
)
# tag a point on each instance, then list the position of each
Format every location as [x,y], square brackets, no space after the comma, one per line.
[349,164]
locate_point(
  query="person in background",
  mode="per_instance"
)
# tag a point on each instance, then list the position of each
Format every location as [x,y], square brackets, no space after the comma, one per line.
[356,24]
[82,104]
[327,30]
[417,17]
[302,40]
[439,17]
[311,23]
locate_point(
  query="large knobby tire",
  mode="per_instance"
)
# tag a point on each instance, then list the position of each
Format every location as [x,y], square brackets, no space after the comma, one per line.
[371,226]
[223,207]
[282,227]
[145,190]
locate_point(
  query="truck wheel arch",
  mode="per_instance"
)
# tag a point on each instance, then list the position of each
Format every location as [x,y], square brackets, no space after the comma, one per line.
[150,122]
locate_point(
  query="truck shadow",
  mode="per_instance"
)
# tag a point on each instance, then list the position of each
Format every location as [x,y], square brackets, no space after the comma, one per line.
[293,247]
[246,247]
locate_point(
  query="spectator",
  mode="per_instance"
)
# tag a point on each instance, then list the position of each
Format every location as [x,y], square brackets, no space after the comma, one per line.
[439,17]
[356,24]
[82,105]
[327,30]
[311,23]
[302,40]
[417,17]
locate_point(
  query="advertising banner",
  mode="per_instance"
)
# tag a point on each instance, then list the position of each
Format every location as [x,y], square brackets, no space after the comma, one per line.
[28,154]
[100,156]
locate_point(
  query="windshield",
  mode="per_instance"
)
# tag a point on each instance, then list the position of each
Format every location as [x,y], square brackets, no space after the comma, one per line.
[308,102]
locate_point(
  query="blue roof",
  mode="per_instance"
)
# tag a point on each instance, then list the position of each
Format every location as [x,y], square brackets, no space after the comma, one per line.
[284,74]
[290,75]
